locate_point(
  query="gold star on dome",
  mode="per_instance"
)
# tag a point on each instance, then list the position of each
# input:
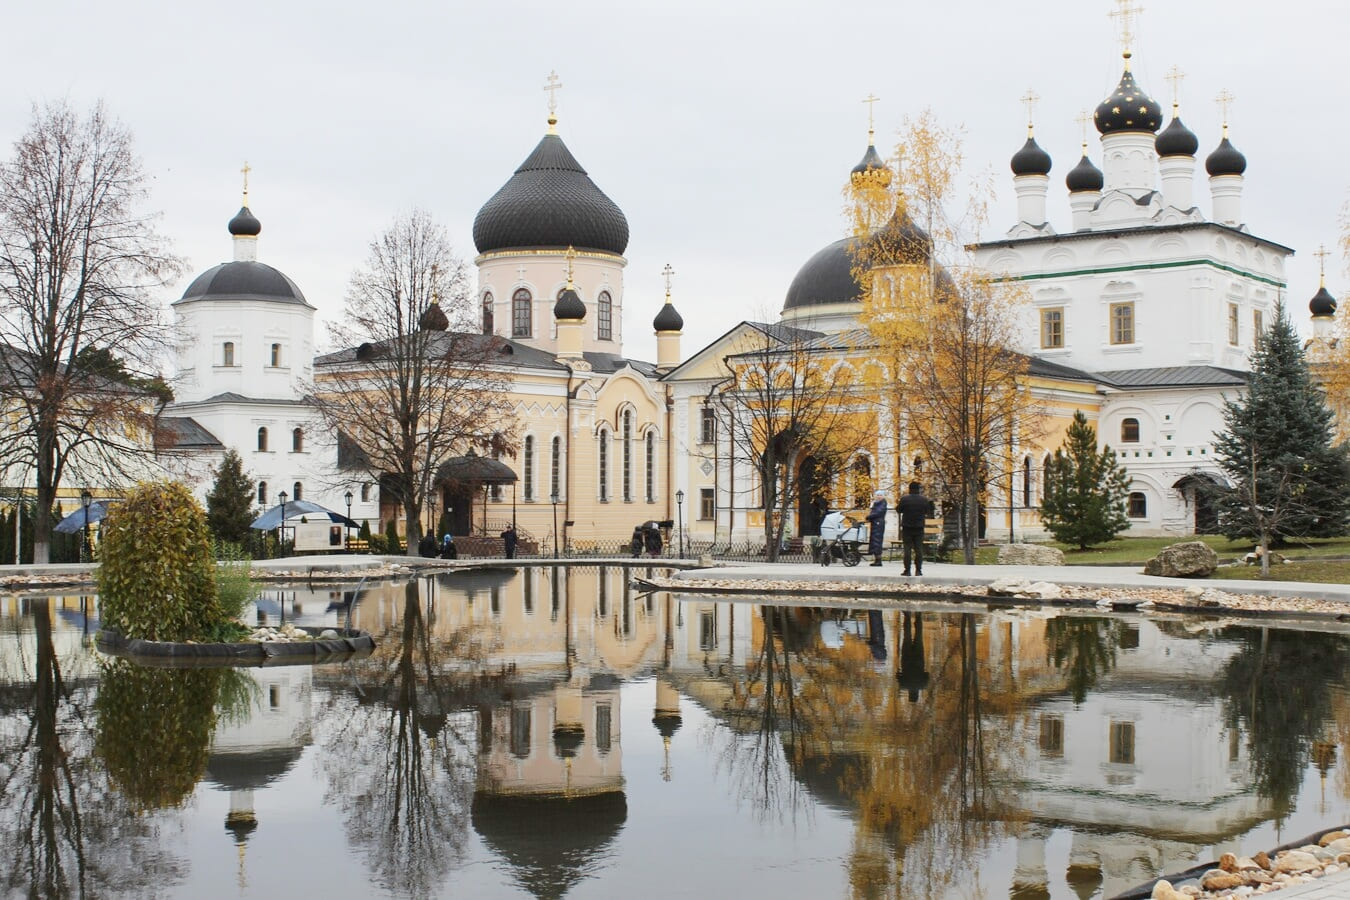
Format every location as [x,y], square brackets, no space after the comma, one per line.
[1115,110]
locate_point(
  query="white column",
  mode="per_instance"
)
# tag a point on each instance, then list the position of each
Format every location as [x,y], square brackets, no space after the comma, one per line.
[1178,174]
[1226,197]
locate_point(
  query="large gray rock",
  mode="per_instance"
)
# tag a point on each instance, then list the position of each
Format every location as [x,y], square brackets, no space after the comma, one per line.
[1189,559]
[1011,586]
[1029,555]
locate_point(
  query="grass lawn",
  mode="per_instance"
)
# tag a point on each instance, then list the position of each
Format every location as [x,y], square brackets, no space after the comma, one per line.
[1321,571]
[1138,550]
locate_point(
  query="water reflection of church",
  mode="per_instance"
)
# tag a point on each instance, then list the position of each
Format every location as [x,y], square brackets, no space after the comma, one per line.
[1086,753]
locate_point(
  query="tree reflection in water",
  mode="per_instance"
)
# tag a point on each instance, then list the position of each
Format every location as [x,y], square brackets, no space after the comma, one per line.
[1084,648]
[399,766]
[72,836]
[867,735]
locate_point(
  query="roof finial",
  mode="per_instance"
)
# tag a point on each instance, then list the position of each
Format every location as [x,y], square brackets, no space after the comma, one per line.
[1322,255]
[1125,18]
[552,88]
[1030,98]
[1084,119]
[669,273]
[870,100]
[1174,77]
[1225,99]
[246,169]
[571,255]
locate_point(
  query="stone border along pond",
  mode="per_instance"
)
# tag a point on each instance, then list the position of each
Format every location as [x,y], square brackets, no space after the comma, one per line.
[288,646]
[1204,601]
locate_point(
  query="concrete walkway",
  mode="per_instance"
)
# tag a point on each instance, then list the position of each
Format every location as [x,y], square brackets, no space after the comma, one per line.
[952,574]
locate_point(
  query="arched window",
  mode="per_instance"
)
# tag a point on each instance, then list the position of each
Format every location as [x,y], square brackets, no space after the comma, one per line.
[602,455]
[262,493]
[520,314]
[495,491]
[604,317]
[299,492]
[918,464]
[298,440]
[555,468]
[862,481]
[365,493]
[1026,481]
[1138,508]
[627,456]
[227,354]
[487,313]
[262,440]
[651,467]
[276,356]
[1129,431]
[527,461]
[1045,476]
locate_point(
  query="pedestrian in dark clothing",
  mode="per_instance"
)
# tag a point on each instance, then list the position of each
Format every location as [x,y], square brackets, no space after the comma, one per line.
[653,542]
[448,548]
[876,517]
[427,546]
[915,509]
[509,541]
[637,543]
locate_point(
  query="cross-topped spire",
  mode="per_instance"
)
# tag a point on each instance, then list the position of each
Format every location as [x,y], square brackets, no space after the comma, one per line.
[870,100]
[1174,77]
[1322,255]
[1029,100]
[1225,100]
[1084,119]
[1125,18]
[668,273]
[554,85]
[571,255]
[246,169]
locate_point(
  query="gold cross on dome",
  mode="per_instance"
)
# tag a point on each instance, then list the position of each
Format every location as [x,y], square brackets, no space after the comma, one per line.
[1084,119]
[870,100]
[571,255]
[1174,77]
[668,273]
[1029,100]
[246,169]
[1124,16]
[554,85]
[1225,100]
[1322,255]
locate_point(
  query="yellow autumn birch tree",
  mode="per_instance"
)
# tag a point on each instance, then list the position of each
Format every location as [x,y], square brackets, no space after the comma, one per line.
[944,334]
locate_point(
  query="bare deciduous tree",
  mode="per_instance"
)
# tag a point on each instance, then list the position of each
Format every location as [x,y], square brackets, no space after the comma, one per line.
[79,263]
[414,386]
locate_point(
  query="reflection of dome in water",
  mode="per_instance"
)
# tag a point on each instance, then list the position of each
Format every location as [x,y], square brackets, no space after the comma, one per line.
[237,770]
[667,723]
[550,842]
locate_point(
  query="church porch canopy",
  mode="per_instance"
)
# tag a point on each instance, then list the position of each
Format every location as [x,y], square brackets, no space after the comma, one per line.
[474,469]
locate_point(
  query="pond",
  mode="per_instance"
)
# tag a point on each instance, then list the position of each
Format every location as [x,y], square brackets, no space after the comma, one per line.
[551,732]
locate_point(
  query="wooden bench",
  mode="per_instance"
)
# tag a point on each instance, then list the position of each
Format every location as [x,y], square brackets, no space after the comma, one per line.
[356,545]
[932,540]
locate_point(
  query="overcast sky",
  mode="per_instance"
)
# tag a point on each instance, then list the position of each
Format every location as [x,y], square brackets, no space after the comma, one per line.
[724,130]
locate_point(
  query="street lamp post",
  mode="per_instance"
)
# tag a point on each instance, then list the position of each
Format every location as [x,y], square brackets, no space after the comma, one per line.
[281,528]
[431,500]
[679,506]
[347,529]
[86,552]
[554,499]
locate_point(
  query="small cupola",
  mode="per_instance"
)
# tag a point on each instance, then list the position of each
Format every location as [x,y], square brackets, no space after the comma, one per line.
[569,307]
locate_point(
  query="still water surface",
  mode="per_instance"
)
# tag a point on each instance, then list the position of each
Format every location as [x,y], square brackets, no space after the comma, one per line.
[552,733]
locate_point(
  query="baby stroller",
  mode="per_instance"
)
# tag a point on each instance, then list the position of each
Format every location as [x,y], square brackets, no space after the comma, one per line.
[839,539]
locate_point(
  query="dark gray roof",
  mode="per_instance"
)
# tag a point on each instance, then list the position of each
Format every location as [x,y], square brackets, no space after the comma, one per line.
[243,280]
[1046,369]
[490,347]
[480,469]
[232,397]
[827,277]
[1124,232]
[550,201]
[608,363]
[1174,376]
[184,433]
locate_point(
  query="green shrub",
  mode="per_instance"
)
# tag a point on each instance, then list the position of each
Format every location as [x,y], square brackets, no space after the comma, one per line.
[378,544]
[234,580]
[391,542]
[157,578]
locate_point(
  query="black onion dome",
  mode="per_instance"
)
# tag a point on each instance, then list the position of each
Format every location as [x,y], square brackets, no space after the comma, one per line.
[667,723]
[667,319]
[1176,140]
[1084,177]
[1128,109]
[827,277]
[871,162]
[1225,160]
[550,201]
[1322,303]
[569,307]
[1031,159]
[433,318]
[245,224]
[243,281]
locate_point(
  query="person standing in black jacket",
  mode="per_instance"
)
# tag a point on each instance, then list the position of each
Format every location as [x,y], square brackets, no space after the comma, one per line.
[914,509]
[876,517]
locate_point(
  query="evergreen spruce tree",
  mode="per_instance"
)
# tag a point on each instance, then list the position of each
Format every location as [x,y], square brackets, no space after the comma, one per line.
[393,544]
[1286,478]
[229,504]
[1085,490]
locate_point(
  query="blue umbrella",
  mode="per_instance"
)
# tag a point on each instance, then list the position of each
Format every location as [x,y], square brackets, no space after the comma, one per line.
[272,518]
[74,523]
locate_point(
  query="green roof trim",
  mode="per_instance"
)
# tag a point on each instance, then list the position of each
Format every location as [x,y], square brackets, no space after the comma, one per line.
[1140,267]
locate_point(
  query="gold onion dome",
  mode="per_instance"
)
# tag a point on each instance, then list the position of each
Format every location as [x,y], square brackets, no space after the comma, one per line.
[1128,108]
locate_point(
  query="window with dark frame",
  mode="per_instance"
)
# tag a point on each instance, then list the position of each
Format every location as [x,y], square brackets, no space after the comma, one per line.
[1122,323]
[708,423]
[262,493]
[227,354]
[262,440]
[276,356]
[1129,431]
[604,317]
[602,454]
[555,467]
[651,467]
[298,492]
[527,463]
[627,456]
[521,304]
[298,440]
[1052,328]
[487,313]
[707,504]
[1138,505]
